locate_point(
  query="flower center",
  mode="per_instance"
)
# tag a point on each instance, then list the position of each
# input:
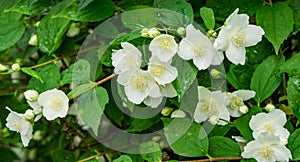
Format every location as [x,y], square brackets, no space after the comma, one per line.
[210,108]
[269,128]
[18,126]
[165,43]
[157,70]
[239,39]
[236,102]
[266,152]
[139,82]
[130,61]
[56,104]
[198,51]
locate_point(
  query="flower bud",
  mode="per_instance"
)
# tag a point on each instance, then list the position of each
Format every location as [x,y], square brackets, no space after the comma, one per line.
[243,109]
[38,135]
[155,138]
[15,67]
[211,33]
[269,107]
[73,30]
[33,40]
[214,120]
[29,114]
[144,32]
[37,24]
[3,68]
[166,111]
[153,32]
[178,114]
[181,31]
[31,95]
[216,74]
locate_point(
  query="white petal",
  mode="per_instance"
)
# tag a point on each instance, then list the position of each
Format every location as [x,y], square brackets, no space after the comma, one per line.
[134,95]
[282,133]
[186,49]
[251,150]
[277,117]
[217,58]
[281,153]
[237,21]
[253,34]
[204,94]
[222,41]
[124,78]
[164,47]
[236,55]
[153,102]
[234,113]
[223,114]
[169,91]
[36,106]
[203,62]
[26,139]
[244,94]
[257,120]
[199,115]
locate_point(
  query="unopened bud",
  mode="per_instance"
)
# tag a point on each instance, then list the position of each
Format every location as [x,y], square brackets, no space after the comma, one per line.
[3,68]
[31,95]
[33,40]
[214,120]
[269,107]
[15,67]
[144,32]
[153,32]
[38,135]
[178,114]
[73,30]
[29,114]
[211,33]
[243,109]
[156,138]
[166,111]
[216,74]
[37,24]
[181,31]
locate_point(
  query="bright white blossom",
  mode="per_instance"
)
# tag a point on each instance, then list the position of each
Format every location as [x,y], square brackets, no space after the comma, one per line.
[17,122]
[211,104]
[237,34]
[236,101]
[198,47]
[138,85]
[31,95]
[267,148]
[127,58]
[272,122]
[162,72]
[164,47]
[55,103]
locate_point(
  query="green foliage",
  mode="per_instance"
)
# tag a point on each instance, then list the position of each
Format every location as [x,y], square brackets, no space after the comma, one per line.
[32,73]
[207,14]
[223,147]
[131,21]
[150,151]
[30,7]
[123,158]
[60,155]
[239,76]
[293,91]
[277,22]
[294,145]
[266,78]
[291,65]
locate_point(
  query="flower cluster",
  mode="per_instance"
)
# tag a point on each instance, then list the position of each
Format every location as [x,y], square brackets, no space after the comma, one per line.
[217,106]
[270,137]
[51,104]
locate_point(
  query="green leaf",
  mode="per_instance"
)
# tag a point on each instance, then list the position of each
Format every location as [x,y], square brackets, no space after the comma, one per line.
[49,74]
[11,29]
[223,147]
[30,7]
[293,93]
[51,30]
[277,22]
[91,10]
[186,138]
[77,73]
[139,125]
[8,155]
[132,21]
[239,76]
[60,155]
[242,123]
[258,53]
[266,78]
[150,151]
[291,65]
[80,90]
[216,130]
[123,158]
[174,13]
[186,76]
[207,14]
[91,106]
[295,5]
[32,73]
[294,145]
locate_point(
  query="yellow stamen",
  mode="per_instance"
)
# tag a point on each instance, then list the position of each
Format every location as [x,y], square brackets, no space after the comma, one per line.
[239,39]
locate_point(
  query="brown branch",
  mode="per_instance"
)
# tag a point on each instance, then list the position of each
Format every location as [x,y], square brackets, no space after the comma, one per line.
[215,159]
[106,79]
[13,89]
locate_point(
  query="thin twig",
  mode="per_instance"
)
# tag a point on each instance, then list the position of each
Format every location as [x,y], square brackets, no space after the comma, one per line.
[95,156]
[215,159]
[106,79]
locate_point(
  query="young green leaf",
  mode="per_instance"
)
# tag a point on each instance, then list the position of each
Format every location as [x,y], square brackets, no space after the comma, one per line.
[80,90]
[277,21]
[294,145]
[266,78]
[32,73]
[291,65]
[223,147]
[123,158]
[293,93]
[29,7]
[207,14]
[150,151]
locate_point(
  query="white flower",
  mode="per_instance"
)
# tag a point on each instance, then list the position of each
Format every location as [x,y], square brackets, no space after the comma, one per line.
[236,35]
[211,104]
[198,47]
[127,58]
[138,85]
[267,148]
[17,122]
[29,114]
[153,102]
[164,47]
[31,95]
[272,122]
[235,101]
[55,104]
[162,72]
[166,91]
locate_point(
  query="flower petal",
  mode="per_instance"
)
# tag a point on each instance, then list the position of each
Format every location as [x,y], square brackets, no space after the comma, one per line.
[217,58]
[199,115]
[236,55]
[186,49]
[244,94]
[253,34]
